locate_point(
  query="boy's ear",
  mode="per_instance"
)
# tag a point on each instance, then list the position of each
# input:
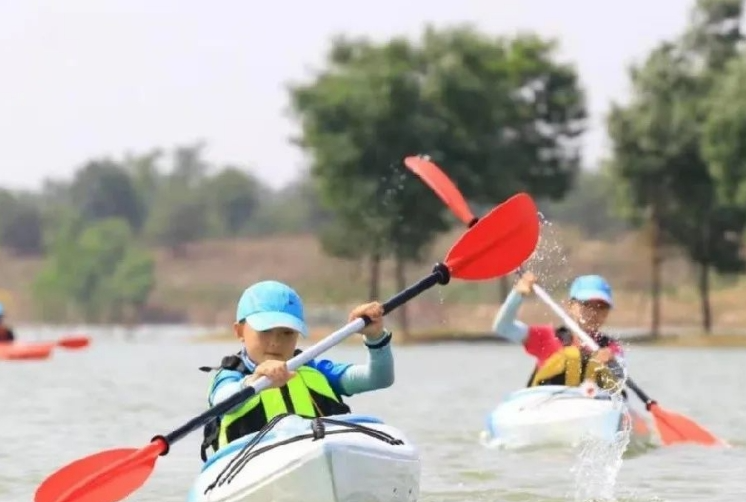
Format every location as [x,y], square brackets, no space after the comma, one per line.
[238,330]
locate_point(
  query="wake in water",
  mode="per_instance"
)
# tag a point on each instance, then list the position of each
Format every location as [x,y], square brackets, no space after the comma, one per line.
[598,462]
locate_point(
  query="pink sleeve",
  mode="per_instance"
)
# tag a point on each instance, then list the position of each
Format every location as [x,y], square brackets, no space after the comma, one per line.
[542,342]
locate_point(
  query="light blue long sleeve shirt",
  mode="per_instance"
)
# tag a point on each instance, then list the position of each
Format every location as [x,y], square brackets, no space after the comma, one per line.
[505,324]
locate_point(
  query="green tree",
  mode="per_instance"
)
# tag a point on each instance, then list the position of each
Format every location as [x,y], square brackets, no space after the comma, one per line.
[232,196]
[295,208]
[147,177]
[500,114]
[95,273]
[179,217]
[513,113]
[658,151]
[189,166]
[359,119]
[20,224]
[104,189]
[724,139]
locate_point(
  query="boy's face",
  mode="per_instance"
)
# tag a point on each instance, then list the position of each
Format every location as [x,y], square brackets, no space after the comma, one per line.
[276,344]
[590,315]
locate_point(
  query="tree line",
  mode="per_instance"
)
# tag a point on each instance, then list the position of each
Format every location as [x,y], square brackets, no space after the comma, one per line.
[501,114]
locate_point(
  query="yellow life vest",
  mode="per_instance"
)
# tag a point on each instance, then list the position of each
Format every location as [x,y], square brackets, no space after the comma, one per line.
[571,367]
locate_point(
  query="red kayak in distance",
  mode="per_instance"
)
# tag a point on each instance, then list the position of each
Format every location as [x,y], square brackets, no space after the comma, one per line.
[29,351]
[25,351]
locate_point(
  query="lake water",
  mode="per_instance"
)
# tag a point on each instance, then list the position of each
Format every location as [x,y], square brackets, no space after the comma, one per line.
[121,393]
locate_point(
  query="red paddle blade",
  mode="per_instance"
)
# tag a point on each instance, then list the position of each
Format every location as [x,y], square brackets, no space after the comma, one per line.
[435,178]
[107,476]
[499,243]
[674,428]
[74,342]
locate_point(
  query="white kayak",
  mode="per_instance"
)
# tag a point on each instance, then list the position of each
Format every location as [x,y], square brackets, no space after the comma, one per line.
[344,458]
[559,415]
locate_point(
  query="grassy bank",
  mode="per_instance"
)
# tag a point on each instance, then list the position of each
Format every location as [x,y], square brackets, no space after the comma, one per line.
[202,287]
[714,340]
[695,341]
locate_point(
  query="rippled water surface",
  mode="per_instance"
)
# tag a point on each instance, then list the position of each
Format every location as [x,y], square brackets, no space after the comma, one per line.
[119,393]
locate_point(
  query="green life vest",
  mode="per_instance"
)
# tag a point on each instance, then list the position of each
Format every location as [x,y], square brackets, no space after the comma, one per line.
[308,394]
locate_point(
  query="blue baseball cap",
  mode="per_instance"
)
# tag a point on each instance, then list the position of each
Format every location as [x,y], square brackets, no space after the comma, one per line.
[271,304]
[591,287]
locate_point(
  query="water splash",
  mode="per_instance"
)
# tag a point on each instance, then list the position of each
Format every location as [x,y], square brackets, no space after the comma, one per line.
[598,462]
[549,262]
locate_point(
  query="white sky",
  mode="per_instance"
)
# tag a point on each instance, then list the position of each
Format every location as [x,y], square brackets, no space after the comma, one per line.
[84,78]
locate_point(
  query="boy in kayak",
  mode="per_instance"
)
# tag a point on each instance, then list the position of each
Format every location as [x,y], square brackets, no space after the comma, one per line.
[6,332]
[560,357]
[269,320]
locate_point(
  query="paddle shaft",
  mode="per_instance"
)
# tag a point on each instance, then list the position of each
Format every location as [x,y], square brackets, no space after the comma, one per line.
[439,275]
[587,339]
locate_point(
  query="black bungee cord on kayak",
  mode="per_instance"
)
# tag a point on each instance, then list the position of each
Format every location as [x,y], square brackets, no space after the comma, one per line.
[318,431]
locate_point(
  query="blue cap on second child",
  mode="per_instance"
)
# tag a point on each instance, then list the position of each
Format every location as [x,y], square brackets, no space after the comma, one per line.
[271,304]
[591,287]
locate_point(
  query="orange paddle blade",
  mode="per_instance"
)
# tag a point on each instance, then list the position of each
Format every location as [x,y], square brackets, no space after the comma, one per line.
[674,428]
[442,185]
[107,476]
[498,243]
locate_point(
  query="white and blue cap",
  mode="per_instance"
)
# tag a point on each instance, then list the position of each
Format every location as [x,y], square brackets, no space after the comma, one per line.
[591,287]
[271,304]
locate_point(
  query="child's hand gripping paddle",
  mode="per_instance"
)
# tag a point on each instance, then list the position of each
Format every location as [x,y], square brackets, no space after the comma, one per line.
[496,246]
[672,427]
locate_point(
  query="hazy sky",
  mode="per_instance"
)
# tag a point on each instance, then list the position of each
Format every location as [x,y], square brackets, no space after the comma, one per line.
[84,78]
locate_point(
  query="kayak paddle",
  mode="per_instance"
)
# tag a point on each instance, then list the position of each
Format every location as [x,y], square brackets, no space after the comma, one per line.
[496,246]
[74,341]
[672,427]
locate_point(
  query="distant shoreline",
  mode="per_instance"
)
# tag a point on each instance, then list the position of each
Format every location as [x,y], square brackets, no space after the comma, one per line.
[431,338]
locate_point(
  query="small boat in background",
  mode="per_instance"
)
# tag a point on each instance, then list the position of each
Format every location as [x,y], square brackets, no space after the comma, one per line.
[25,351]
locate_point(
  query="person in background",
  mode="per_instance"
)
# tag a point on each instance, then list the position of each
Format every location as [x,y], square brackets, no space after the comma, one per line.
[560,356]
[6,332]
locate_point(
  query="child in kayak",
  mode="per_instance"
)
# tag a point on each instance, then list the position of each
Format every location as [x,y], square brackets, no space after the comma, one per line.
[269,320]
[560,357]
[6,332]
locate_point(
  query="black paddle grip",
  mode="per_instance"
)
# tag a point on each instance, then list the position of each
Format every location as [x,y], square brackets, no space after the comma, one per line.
[440,275]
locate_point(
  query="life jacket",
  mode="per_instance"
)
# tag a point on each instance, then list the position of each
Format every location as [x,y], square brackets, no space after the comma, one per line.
[308,394]
[572,368]
[573,374]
